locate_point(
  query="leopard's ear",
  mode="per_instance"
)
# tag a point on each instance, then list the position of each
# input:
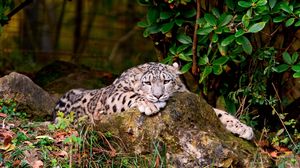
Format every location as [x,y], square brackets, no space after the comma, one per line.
[176,68]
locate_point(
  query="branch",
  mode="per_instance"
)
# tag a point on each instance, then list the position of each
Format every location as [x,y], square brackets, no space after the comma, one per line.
[195,41]
[14,11]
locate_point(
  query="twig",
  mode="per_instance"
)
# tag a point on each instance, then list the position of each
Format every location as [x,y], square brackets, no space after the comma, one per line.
[195,40]
[277,95]
[284,126]
[71,155]
[280,118]
[242,106]
[14,11]
[112,149]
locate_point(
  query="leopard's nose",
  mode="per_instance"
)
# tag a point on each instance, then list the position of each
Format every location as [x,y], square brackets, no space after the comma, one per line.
[158,96]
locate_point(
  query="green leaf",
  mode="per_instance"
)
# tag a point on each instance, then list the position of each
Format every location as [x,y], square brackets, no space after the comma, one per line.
[217,69]
[219,30]
[152,15]
[189,13]
[143,24]
[272,3]
[215,12]
[205,31]
[227,40]
[287,58]
[168,59]
[207,70]
[220,61]
[261,2]
[179,22]
[153,29]
[182,48]
[297,24]
[295,57]
[167,27]
[165,15]
[246,20]
[186,67]
[296,75]
[285,6]
[146,33]
[257,27]
[210,19]
[173,49]
[214,38]
[184,39]
[188,52]
[224,19]
[244,4]
[289,22]
[247,47]
[222,50]
[296,68]
[239,33]
[185,57]
[203,60]
[279,19]
[230,4]
[201,22]
[281,68]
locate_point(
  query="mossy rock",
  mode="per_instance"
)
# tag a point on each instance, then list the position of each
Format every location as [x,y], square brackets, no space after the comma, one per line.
[190,131]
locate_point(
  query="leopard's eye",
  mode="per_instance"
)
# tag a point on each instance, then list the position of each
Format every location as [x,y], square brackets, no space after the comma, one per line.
[147,83]
[166,81]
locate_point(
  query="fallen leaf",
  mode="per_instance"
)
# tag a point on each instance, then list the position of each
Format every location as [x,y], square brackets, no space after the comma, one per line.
[157,162]
[282,149]
[274,154]
[61,153]
[16,163]
[8,147]
[37,164]
[7,139]
[3,115]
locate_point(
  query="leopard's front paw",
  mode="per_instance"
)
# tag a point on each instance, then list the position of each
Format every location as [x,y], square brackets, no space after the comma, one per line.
[147,108]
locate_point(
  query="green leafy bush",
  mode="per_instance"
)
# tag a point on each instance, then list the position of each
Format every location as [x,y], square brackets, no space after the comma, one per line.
[237,50]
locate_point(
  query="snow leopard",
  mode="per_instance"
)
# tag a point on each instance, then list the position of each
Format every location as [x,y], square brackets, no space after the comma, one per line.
[147,87]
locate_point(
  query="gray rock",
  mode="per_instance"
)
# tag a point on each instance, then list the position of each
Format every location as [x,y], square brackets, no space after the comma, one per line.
[187,130]
[30,97]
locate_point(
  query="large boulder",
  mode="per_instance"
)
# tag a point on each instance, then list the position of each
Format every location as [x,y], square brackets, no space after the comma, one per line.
[29,96]
[188,129]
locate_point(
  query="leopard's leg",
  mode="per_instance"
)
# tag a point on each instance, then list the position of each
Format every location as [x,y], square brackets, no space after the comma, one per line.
[121,101]
[233,125]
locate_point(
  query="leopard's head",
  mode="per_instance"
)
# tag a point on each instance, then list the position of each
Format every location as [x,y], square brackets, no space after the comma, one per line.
[160,81]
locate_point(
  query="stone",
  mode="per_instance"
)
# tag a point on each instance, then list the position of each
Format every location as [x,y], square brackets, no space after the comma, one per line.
[187,128]
[30,97]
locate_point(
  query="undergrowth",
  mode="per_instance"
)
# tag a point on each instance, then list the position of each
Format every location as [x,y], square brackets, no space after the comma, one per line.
[26,143]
